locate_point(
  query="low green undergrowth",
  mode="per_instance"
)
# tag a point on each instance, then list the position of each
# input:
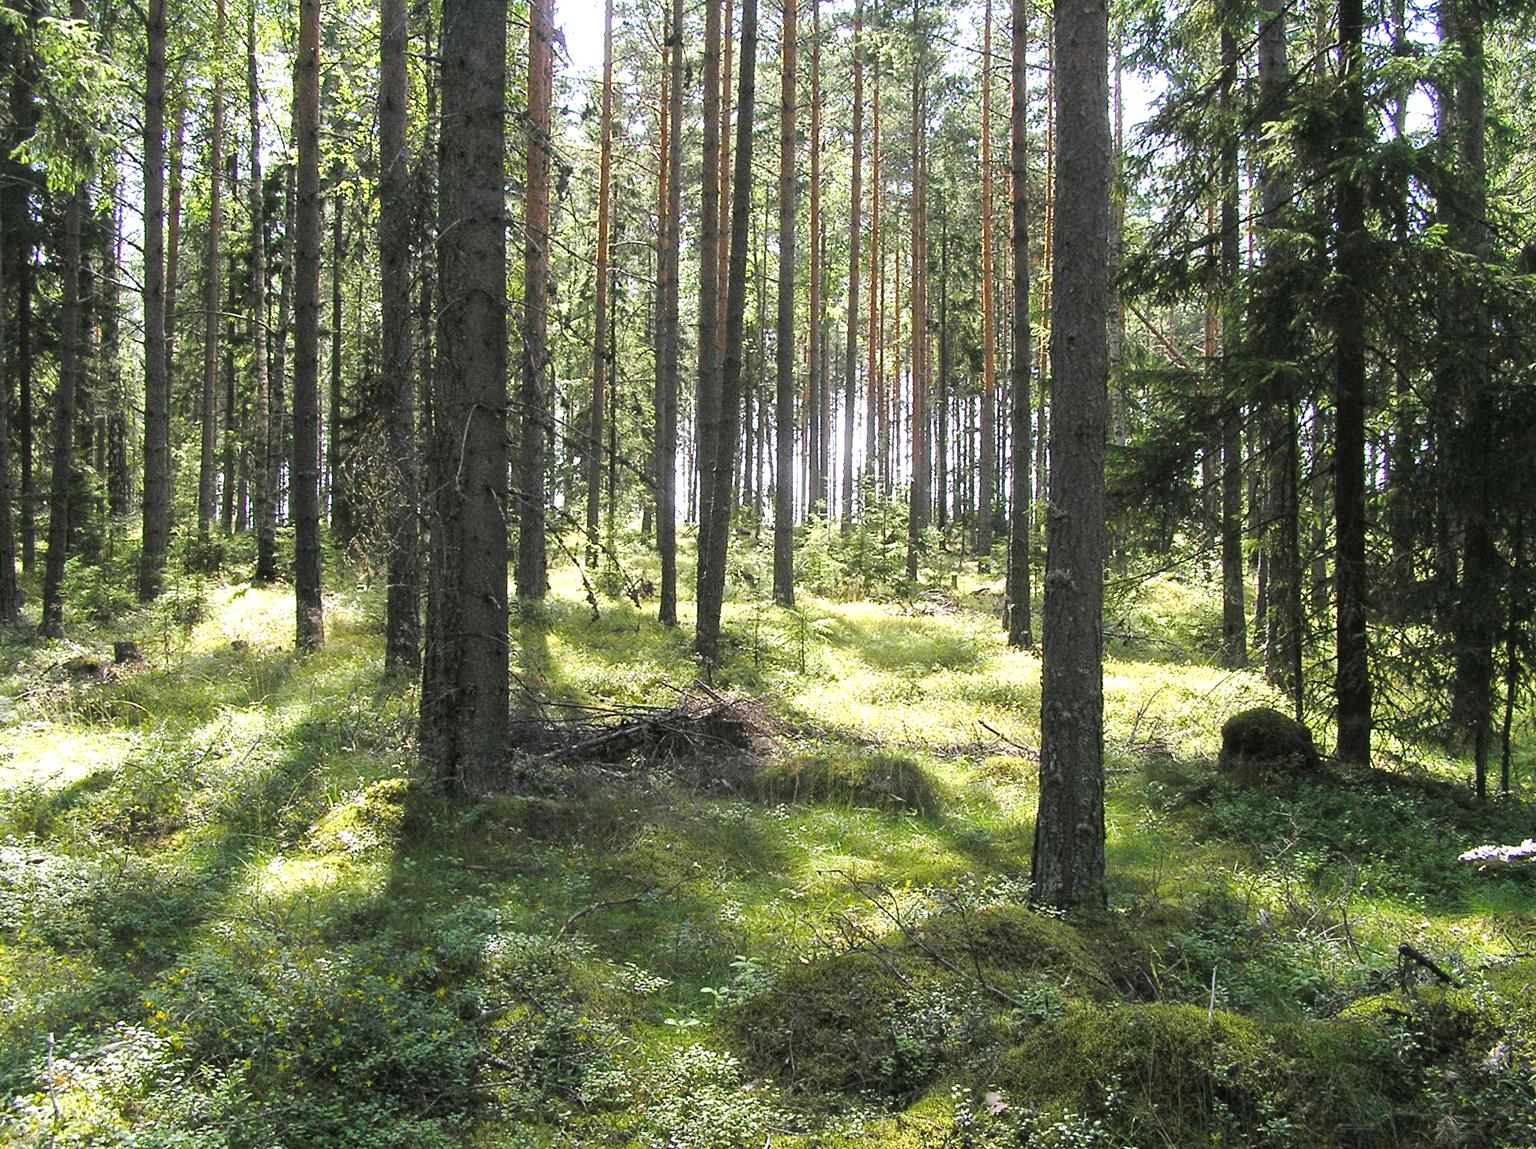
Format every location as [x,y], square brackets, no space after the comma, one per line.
[233,913]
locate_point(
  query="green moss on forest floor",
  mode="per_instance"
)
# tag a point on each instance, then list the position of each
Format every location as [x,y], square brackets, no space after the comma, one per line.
[245,921]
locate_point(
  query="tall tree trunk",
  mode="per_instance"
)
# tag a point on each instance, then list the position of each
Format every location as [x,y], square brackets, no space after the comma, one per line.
[707,637]
[872,380]
[667,285]
[263,481]
[1282,563]
[64,416]
[20,181]
[157,378]
[309,615]
[402,626]
[600,345]
[1353,681]
[988,320]
[464,692]
[336,482]
[1068,866]
[1234,617]
[920,508]
[533,424]
[1463,386]
[784,406]
[855,192]
[710,411]
[229,442]
[208,411]
[820,412]
[1016,604]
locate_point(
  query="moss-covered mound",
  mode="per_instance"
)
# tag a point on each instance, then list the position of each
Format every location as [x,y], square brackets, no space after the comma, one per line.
[853,777]
[1262,744]
[886,1018]
[1175,1075]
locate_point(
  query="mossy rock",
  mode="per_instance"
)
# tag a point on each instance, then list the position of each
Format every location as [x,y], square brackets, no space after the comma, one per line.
[887,1021]
[1157,1074]
[1261,744]
[851,777]
[372,818]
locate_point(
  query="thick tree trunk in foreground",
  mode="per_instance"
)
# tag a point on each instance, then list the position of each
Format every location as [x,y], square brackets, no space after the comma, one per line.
[309,627]
[464,688]
[1068,865]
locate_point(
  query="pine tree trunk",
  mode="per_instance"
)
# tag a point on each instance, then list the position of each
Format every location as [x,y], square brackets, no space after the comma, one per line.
[872,371]
[208,410]
[533,407]
[1016,603]
[464,693]
[309,624]
[1068,865]
[600,321]
[784,405]
[707,636]
[855,192]
[402,625]
[263,481]
[1352,685]
[1282,565]
[710,409]
[64,418]
[1234,617]
[342,526]
[666,371]
[157,379]
[988,320]
[920,507]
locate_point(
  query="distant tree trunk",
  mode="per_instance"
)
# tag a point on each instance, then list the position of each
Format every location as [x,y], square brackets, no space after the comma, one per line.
[1016,603]
[174,188]
[10,599]
[263,480]
[784,406]
[208,412]
[280,454]
[820,412]
[402,626]
[64,420]
[988,320]
[941,407]
[309,627]
[1048,286]
[157,378]
[229,444]
[872,380]
[1234,618]
[342,525]
[1068,867]
[855,191]
[600,322]
[464,692]
[708,632]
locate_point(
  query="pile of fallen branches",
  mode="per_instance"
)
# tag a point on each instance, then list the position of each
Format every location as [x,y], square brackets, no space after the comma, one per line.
[704,737]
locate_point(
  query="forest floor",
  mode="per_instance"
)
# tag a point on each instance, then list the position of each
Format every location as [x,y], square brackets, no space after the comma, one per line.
[231,913]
